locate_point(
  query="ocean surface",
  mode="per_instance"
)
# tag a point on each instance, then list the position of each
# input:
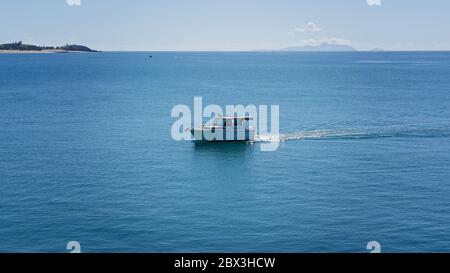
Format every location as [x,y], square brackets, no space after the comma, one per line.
[86,153]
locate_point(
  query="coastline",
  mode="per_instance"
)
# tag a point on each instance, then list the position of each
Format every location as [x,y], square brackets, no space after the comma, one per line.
[37,51]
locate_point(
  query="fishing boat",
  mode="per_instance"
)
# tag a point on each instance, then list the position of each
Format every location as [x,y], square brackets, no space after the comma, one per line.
[226,129]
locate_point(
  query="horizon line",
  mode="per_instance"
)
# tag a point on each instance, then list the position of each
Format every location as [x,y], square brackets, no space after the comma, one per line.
[281,51]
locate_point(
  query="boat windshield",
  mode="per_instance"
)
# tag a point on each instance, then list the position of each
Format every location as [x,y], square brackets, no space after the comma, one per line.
[232,121]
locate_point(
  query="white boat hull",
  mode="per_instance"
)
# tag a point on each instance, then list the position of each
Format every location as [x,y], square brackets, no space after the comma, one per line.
[220,134]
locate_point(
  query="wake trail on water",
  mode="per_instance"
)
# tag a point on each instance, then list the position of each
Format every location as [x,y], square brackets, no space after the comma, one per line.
[362,133]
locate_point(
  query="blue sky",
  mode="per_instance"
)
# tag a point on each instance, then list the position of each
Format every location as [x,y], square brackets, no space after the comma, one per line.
[228,24]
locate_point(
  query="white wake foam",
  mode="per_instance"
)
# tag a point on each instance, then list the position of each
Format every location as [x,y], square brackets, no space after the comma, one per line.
[362,133]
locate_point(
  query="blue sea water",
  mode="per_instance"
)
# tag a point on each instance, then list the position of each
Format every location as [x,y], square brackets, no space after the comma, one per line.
[86,153]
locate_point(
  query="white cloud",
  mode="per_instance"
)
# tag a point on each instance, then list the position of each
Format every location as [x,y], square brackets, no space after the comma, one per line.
[374,2]
[309,27]
[326,40]
[73,2]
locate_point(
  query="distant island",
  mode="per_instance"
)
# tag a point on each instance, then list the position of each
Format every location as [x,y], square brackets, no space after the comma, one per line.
[325,47]
[19,47]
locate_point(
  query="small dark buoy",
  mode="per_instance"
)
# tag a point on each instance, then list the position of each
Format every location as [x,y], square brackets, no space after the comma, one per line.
[150,56]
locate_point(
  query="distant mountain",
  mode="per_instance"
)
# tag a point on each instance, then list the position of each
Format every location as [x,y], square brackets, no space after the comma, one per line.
[325,47]
[377,49]
[19,46]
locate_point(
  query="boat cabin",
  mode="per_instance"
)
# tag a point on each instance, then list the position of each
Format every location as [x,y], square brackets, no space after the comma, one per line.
[233,121]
